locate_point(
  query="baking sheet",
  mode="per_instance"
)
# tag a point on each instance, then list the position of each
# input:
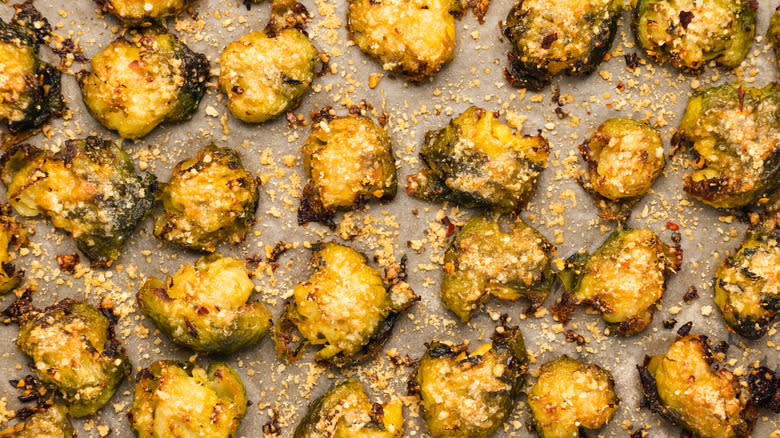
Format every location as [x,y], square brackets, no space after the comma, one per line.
[561,211]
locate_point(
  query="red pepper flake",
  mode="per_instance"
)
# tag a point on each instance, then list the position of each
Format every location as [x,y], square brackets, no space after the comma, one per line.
[134,64]
[672,226]
[548,40]
[450,226]
[741,95]
[200,310]
[685,18]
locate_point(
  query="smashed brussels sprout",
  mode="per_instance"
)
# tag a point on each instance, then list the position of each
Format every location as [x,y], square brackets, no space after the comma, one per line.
[30,89]
[345,307]
[623,280]
[683,387]
[142,11]
[265,73]
[482,261]
[747,284]
[184,400]
[349,161]
[471,395]
[550,37]
[735,134]
[12,235]
[773,35]
[51,422]
[623,158]
[570,395]
[142,79]
[690,33]
[412,38]
[73,348]
[89,189]
[209,199]
[346,412]
[476,161]
[204,307]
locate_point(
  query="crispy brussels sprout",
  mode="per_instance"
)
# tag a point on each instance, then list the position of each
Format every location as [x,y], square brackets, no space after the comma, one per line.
[142,79]
[51,422]
[550,37]
[482,261]
[345,411]
[412,38]
[471,395]
[571,395]
[349,161]
[734,132]
[476,161]
[209,199]
[623,280]
[690,33]
[345,306]
[747,284]
[204,307]
[11,235]
[184,400]
[140,11]
[73,348]
[30,89]
[89,189]
[773,34]
[683,387]
[265,73]
[624,158]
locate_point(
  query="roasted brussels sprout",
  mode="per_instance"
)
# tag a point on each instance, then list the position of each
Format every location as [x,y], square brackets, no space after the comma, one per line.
[773,35]
[11,235]
[682,387]
[345,306]
[734,132]
[624,158]
[747,284]
[30,89]
[209,199]
[571,395]
[476,161]
[550,37]
[51,422]
[73,348]
[482,261]
[690,33]
[623,280]
[345,411]
[471,395]
[348,161]
[265,73]
[89,189]
[140,11]
[184,400]
[204,307]
[412,38]
[142,79]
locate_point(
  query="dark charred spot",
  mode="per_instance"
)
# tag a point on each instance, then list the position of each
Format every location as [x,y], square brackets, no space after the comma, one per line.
[272,427]
[669,323]
[691,294]
[572,336]
[632,60]
[764,387]
[685,18]
[548,40]
[68,262]
[685,328]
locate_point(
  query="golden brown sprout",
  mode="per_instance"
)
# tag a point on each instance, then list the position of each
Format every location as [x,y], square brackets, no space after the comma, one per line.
[683,387]
[51,422]
[690,33]
[569,396]
[184,400]
[143,11]
[471,395]
[482,260]
[413,38]
[623,280]
[142,79]
[90,189]
[12,235]
[349,161]
[624,158]
[747,284]
[209,199]
[550,37]
[345,411]
[345,306]
[477,161]
[204,307]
